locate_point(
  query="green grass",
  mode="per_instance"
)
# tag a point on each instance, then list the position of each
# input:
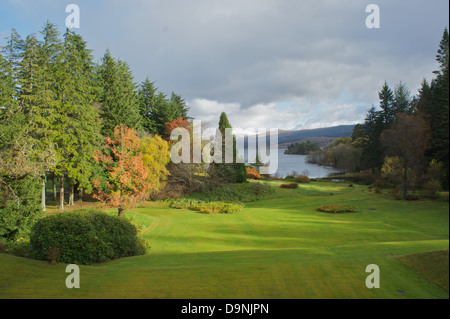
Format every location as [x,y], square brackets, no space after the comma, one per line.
[432,265]
[276,248]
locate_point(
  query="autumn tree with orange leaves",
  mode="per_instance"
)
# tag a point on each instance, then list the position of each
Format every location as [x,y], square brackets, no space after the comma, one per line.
[178,123]
[122,159]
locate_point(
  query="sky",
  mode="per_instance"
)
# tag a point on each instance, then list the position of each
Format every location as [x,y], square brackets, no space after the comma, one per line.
[286,64]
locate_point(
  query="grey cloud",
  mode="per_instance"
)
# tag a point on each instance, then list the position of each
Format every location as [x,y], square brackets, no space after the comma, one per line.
[266,51]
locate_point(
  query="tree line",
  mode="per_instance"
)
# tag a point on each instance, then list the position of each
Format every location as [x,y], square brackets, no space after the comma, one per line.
[405,139]
[58,106]
[85,125]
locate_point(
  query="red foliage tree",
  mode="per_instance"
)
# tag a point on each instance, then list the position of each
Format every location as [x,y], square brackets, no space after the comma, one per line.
[178,123]
[127,175]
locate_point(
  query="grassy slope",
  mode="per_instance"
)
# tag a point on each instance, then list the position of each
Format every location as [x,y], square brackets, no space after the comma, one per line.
[276,248]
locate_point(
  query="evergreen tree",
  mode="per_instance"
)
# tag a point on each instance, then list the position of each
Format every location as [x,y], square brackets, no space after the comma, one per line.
[373,127]
[227,172]
[402,100]
[9,68]
[439,111]
[118,98]
[180,106]
[386,97]
[79,132]
[12,54]
[148,100]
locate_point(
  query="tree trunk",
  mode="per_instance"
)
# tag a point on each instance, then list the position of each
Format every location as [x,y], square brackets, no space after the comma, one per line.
[44,208]
[80,194]
[72,194]
[61,193]
[54,188]
[121,209]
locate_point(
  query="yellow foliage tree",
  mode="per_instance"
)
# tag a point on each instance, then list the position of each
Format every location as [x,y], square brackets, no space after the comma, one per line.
[155,156]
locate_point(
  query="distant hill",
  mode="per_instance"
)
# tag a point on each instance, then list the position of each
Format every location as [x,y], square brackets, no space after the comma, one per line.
[315,135]
[322,135]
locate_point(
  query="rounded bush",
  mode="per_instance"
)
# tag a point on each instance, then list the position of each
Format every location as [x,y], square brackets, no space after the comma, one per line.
[84,238]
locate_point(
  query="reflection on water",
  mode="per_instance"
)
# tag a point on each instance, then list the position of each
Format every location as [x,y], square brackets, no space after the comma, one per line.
[297,163]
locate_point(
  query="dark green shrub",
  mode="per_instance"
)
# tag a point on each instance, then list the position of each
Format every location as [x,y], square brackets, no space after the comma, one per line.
[16,222]
[84,238]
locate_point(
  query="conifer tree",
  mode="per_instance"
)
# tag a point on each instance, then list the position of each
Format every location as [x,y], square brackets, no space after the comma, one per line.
[148,100]
[227,172]
[118,98]
[79,134]
[440,107]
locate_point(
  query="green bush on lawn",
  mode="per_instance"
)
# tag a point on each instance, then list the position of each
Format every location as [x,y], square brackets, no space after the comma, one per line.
[206,207]
[84,238]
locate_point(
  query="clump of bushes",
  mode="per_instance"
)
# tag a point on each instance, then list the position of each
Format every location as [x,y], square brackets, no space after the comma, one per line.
[337,209]
[206,207]
[85,238]
[289,186]
[302,179]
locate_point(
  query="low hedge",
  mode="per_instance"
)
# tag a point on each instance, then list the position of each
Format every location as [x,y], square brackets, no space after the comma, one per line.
[206,207]
[84,238]
[337,209]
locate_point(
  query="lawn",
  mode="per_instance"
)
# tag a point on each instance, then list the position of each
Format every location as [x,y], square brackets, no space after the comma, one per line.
[276,248]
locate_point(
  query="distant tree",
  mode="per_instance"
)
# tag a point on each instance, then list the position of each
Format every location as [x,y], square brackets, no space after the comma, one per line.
[387,99]
[127,174]
[393,171]
[302,148]
[228,172]
[440,108]
[391,104]
[402,100]
[408,139]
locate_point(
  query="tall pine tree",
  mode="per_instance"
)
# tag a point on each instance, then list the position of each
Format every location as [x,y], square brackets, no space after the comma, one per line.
[225,171]
[119,102]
